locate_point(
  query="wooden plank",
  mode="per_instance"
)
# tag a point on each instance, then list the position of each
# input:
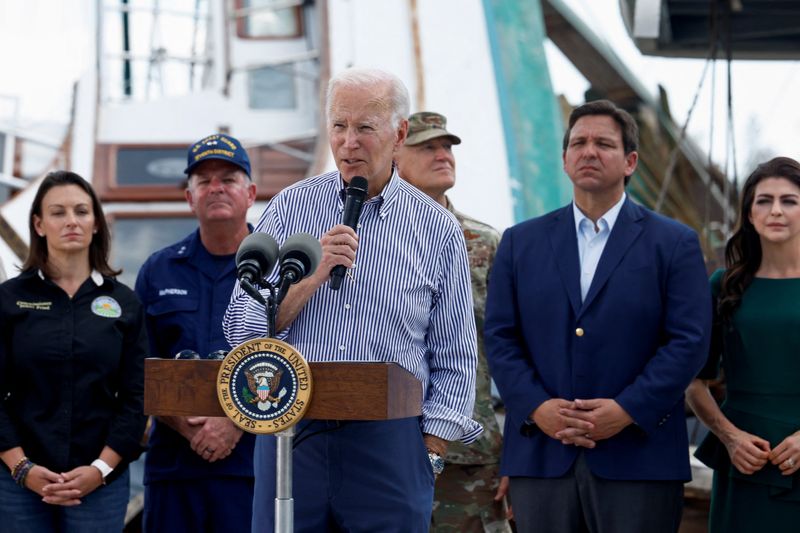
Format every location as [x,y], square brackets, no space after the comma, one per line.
[341,391]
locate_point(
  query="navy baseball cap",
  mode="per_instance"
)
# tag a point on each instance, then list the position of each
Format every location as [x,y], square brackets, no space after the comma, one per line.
[217,146]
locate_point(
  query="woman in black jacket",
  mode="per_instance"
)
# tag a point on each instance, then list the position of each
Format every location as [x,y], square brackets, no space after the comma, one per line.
[72,348]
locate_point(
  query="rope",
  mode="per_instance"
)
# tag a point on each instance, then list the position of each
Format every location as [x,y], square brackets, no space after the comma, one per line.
[711,59]
[731,141]
[673,156]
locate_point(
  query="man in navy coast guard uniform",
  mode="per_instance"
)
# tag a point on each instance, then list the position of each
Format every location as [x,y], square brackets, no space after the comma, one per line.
[199,470]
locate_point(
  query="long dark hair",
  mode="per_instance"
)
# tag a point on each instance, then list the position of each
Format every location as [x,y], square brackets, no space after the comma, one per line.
[743,251]
[101,241]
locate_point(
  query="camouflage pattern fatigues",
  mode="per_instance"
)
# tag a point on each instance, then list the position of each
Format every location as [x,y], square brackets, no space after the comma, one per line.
[464,493]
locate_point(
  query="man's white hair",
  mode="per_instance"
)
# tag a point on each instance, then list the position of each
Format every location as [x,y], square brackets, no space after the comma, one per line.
[371,77]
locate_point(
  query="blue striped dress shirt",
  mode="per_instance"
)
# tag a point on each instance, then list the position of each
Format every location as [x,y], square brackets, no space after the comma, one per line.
[407,299]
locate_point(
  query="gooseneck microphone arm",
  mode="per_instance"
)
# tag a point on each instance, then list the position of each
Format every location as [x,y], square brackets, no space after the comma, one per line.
[355,195]
[271,310]
[286,281]
[255,259]
[270,303]
[252,291]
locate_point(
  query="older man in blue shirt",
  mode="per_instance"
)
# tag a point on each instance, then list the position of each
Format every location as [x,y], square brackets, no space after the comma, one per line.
[406,299]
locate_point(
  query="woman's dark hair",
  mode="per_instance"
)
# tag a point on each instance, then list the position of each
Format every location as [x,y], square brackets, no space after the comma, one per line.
[101,241]
[743,251]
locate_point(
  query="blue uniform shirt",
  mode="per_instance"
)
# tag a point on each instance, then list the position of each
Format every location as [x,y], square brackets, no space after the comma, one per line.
[185,291]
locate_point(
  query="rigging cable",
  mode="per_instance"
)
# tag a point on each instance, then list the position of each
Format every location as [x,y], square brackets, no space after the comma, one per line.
[709,159]
[730,152]
[673,156]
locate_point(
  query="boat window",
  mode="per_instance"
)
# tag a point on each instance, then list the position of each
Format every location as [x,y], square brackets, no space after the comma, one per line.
[154,173]
[140,172]
[272,88]
[134,238]
[269,19]
[150,166]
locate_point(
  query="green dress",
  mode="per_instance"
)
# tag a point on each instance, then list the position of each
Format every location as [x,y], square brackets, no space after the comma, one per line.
[759,351]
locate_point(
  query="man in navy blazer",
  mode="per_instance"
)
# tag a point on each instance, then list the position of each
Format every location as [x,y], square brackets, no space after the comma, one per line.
[598,317]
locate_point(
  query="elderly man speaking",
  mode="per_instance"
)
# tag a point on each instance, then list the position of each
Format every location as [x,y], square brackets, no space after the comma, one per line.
[406,299]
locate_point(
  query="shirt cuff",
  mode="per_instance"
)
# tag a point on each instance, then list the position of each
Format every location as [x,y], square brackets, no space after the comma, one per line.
[465,429]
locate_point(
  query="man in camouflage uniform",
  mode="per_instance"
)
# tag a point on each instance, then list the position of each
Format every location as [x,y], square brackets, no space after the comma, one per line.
[466,498]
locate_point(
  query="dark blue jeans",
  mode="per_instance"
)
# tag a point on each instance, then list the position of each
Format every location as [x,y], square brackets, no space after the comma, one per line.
[102,511]
[360,477]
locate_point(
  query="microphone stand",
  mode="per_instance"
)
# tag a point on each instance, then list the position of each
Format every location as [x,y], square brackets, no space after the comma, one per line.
[284,503]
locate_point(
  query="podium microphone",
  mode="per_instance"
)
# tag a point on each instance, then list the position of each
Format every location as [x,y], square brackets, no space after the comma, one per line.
[298,259]
[355,195]
[255,259]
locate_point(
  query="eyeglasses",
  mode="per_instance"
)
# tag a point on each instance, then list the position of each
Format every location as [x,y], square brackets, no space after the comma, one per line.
[216,355]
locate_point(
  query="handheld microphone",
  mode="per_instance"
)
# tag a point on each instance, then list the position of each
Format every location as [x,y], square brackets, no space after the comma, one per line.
[299,258]
[255,259]
[355,195]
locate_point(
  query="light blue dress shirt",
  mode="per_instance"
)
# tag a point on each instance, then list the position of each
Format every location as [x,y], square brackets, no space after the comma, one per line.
[592,241]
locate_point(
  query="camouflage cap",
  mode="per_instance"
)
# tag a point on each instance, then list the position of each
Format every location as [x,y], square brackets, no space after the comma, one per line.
[425,125]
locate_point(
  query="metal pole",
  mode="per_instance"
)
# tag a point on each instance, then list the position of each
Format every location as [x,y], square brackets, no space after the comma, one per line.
[284,503]
[127,75]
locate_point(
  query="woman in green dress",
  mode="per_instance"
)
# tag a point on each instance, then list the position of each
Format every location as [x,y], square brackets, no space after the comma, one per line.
[754,444]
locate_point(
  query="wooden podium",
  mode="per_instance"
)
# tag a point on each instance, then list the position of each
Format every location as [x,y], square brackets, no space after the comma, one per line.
[342,391]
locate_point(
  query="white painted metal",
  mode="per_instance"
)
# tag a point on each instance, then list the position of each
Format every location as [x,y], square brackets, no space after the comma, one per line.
[458,78]
[647,19]
[456,67]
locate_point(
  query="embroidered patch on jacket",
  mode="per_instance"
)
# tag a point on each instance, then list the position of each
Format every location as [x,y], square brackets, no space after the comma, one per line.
[172,292]
[39,306]
[106,306]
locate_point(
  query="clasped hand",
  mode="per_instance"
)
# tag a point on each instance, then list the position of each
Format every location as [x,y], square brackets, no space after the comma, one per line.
[750,453]
[581,422]
[66,488]
[214,438]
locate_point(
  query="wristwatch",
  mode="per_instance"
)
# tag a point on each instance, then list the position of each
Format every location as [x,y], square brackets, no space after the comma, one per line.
[103,467]
[437,463]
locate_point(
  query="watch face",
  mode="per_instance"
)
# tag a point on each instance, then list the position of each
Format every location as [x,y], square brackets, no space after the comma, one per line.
[437,463]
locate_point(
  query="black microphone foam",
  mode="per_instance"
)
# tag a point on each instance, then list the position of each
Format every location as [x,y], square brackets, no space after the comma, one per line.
[300,254]
[355,195]
[256,257]
[299,258]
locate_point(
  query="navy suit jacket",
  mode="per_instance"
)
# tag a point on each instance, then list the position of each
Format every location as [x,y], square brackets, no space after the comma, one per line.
[644,334]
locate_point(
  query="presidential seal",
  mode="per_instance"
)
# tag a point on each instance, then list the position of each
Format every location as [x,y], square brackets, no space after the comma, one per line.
[264,386]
